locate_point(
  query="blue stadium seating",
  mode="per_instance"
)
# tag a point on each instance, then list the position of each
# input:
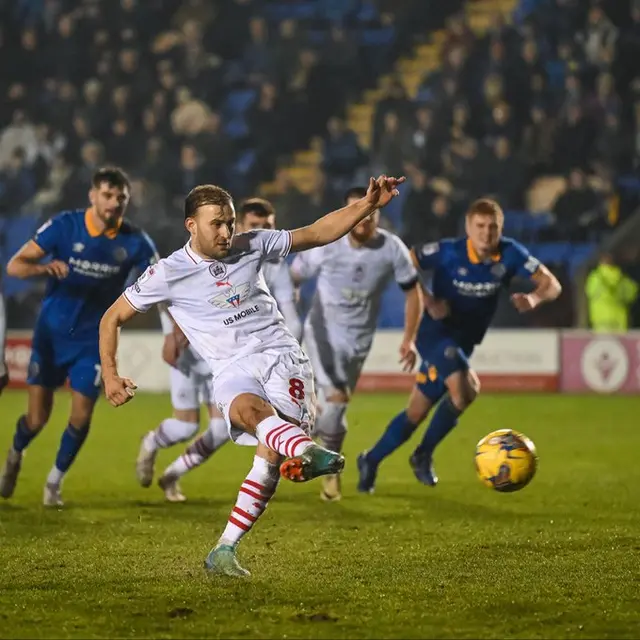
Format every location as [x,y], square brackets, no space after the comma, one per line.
[15,232]
[238,102]
[377,37]
[236,127]
[526,226]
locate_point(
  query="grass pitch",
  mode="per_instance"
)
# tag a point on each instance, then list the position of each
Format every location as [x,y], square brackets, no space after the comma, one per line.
[560,559]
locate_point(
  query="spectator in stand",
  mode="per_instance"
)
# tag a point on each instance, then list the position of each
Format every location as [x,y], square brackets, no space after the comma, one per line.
[342,155]
[17,183]
[389,157]
[427,216]
[578,208]
[396,99]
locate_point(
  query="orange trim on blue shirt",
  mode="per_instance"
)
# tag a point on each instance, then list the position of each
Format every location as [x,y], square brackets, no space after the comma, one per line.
[94,232]
[474,258]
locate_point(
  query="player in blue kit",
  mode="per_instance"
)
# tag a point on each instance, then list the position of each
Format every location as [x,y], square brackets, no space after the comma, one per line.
[468,275]
[93,253]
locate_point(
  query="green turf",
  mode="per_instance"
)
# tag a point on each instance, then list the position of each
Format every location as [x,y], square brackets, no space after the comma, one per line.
[560,559]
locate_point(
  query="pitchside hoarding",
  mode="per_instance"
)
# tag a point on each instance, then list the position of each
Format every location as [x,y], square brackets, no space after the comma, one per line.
[508,360]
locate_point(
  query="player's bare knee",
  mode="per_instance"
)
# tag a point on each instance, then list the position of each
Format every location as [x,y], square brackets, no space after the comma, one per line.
[463,397]
[214,412]
[418,407]
[37,418]
[339,396]
[187,415]
[247,411]
[81,410]
[416,413]
[462,392]
[474,381]
[39,407]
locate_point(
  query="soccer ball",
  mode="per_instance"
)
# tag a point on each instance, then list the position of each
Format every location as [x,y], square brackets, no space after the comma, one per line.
[506,460]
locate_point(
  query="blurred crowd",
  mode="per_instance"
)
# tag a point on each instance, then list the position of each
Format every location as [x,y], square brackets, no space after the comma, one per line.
[146,85]
[185,91]
[555,93]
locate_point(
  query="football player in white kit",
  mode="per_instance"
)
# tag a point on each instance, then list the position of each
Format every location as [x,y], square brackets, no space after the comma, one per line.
[191,379]
[4,371]
[262,381]
[353,274]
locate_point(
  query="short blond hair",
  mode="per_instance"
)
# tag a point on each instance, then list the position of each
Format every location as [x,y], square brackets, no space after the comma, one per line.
[486,207]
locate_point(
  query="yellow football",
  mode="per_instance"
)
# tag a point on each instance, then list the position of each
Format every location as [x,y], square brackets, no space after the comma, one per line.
[506,460]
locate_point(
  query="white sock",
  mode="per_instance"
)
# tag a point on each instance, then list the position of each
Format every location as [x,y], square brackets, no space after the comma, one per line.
[283,437]
[201,449]
[330,425]
[170,432]
[55,476]
[253,497]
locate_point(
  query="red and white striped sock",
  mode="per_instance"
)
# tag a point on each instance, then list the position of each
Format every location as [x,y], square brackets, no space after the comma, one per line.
[283,437]
[170,432]
[201,449]
[254,495]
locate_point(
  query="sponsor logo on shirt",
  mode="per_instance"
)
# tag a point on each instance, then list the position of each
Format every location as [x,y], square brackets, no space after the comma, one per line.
[477,289]
[232,297]
[91,269]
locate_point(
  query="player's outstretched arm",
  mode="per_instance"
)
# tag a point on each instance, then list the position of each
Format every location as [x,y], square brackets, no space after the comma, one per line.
[338,223]
[26,263]
[117,390]
[547,289]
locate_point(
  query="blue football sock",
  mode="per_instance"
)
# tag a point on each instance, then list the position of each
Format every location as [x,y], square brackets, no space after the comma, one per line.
[444,420]
[23,435]
[70,444]
[397,433]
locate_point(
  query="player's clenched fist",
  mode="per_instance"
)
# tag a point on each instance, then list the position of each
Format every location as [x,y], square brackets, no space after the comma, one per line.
[119,390]
[524,302]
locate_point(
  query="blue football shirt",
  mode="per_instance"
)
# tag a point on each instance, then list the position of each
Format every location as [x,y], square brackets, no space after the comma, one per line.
[470,286]
[99,266]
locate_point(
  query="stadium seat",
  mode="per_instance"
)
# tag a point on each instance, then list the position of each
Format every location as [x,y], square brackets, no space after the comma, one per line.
[306,10]
[245,162]
[525,226]
[317,37]
[377,37]
[580,254]
[551,252]
[238,101]
[236,128]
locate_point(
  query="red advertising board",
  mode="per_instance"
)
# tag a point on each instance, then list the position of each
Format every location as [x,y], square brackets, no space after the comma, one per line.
[600,363]
[17,355]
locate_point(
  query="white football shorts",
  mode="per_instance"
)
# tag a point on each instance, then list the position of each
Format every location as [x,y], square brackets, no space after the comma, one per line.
[334,366]
[189,391]
[283,378]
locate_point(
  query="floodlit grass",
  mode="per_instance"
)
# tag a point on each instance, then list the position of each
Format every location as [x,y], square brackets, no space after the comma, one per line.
[560,559]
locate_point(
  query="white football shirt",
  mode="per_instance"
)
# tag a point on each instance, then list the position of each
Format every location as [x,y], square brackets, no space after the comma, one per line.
[224,307]
[351,281]
[278,278]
